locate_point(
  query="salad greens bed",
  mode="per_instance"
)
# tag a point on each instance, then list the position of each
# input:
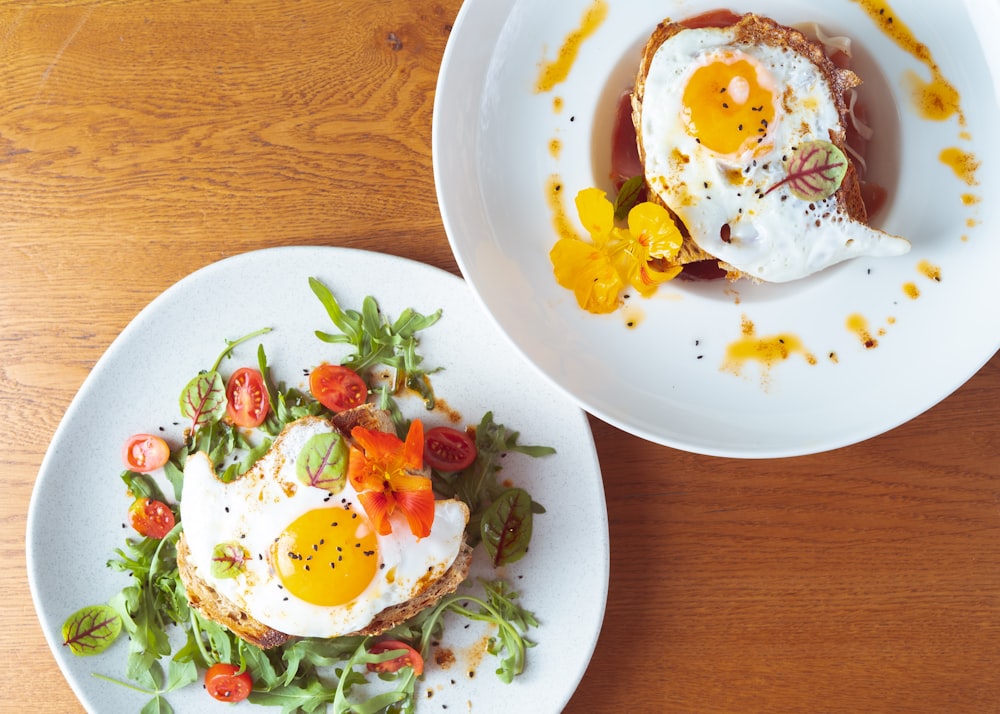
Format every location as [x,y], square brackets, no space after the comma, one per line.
[170,643]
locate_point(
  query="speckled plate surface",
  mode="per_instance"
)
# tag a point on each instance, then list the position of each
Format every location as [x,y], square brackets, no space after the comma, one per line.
[78,505]
[882,340]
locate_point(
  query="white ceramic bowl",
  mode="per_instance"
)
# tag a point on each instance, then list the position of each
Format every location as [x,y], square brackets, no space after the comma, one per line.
[664,377]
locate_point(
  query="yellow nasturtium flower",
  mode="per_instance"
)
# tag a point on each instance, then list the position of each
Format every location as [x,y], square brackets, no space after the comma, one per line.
[597,271]
[652,234]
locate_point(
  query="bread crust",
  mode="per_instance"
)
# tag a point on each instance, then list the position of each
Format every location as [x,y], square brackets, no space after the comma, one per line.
[755,29]
[213,606]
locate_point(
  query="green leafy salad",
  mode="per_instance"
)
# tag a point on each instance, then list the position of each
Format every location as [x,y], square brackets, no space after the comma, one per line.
[234,417]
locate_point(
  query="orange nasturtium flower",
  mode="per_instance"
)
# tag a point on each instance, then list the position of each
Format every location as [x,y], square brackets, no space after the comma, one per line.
[597,271]
[383,474]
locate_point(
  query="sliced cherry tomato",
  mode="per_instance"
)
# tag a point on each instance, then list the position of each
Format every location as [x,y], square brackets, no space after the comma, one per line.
[410,658]
[224,684]
[447,449]
[150,518]
[337,388]
[247,403]
[144,453]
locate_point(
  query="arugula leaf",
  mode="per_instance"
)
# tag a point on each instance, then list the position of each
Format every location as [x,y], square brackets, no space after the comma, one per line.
[500,609]
[477,485]
[378,342]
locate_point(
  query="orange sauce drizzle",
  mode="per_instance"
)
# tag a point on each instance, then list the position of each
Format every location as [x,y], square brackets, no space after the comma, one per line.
[963,164]
[553,72]
[766,351]
[929,270]
[859,326]
[936,99]
[560,219]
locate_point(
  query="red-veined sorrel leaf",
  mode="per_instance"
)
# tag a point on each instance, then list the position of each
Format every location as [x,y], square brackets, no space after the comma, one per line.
[91,630]
[323,462]
[815,171]
[629,195]
[203,400]
[506,526]
[228,560]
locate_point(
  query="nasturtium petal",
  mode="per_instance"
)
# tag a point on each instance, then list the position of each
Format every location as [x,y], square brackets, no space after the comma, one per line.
[596,213]
[589,272]
[322,462]
[651,225]
[229,560]
[91,630]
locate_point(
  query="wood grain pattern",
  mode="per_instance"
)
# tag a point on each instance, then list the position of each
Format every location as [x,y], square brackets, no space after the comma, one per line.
[141,141]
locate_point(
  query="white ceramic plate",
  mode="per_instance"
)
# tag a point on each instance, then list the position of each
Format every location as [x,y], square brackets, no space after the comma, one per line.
[78,505]
[664,378]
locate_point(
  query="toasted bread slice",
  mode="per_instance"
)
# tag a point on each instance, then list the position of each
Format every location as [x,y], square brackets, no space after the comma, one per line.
[754,29]
[215,607]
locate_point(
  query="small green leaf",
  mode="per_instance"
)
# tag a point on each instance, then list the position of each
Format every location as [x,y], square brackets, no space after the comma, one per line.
[323,462]
[506,526]
[91,630]
[229,560]
[203,400]
[816,169]
[628,195]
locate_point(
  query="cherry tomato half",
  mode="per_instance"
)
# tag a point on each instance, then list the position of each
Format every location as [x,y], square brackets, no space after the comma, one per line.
[150,518]
[447,449]
[337,388]
[247,403]
[410,658]
[223,682]
[144,453]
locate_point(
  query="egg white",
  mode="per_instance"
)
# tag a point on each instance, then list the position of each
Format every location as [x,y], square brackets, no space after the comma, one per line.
[772,235]
[254,509]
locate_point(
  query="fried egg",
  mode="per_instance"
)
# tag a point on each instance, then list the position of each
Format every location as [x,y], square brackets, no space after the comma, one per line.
[718,121]
[314,565]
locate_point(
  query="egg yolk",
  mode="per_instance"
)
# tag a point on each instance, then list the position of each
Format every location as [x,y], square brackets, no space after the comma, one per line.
[326,556]
[728,106]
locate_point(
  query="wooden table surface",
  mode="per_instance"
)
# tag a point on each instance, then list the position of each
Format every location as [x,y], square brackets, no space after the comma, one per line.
[140,141]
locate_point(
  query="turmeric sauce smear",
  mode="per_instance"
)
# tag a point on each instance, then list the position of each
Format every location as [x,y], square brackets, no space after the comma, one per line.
[929,270]
[936,99]
[962,163]
[859,326]
[560,219]
[765,351]
[553,72]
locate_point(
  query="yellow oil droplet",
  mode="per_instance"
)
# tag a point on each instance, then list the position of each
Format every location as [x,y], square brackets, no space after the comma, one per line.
[891,320]
[859,326]
[553,72]
[929,270]
[971,223]
[555,146]
[557,104]
[633,318]
[835,358]
[936,99]
[963,164]
[970,199]
[560,219]
[911,290]
[765,351]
